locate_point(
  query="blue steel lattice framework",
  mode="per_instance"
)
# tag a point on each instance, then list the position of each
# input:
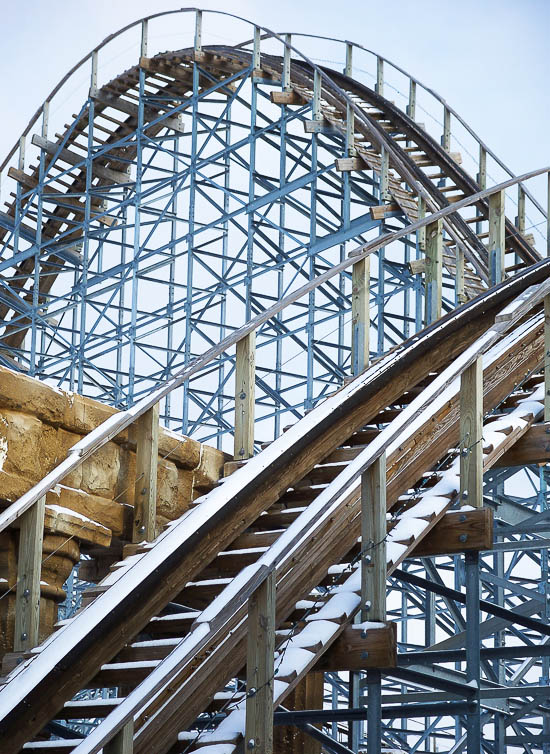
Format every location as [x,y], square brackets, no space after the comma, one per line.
[180,201]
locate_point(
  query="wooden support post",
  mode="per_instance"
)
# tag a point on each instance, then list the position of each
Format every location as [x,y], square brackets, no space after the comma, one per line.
[93,75]
[316,103]
[471,434]
[496,246]
[198,31]
[482,174]
[144,37]
[411,107]
[446,137]
[29,564]
[350,131]
[123,742]
[245,379]
[434,271]
[422,232]
[373,541]
[459,282]
[256,49]
[360,315]
[379,76]
[547,358]
[260,668]
[348,70]
[520,222]
[384,176]
[145,489]
[286,63]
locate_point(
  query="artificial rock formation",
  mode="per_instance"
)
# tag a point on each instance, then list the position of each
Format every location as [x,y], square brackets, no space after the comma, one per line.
[91,511]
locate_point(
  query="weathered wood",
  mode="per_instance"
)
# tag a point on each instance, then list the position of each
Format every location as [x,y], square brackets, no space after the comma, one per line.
[459,284]
[245,380]
[547,358]
[496,246]
[123,742]
[145,489]
[533,447]
[356,649]
[471,431]
[434,271]
[458,531]
[379,212]
[29,564]
[417,266]
[290,97]
[260,668]
[360,315]
[347,164]
[308,694]
[373,541]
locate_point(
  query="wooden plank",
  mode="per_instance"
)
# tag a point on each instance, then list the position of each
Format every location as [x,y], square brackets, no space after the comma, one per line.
[123,742]
[417,266]
[245,380]
[373,541]
[29,564]
[379,212]
[145,487]
[290,97]
[471,432]
[355,649]
[533,447]
[347,164]
[360,315]
[434,271]
[496,246]
[260,668]
[458,531]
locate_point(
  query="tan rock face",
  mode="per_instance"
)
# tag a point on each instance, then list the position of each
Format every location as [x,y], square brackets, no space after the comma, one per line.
[92,508]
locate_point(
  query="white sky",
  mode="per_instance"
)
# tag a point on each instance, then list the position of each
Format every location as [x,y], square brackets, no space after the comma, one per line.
[488,58]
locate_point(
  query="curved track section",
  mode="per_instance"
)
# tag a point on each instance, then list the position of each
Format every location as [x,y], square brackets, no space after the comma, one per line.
[181,199]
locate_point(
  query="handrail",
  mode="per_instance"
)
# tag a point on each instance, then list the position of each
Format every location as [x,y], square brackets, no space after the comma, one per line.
[83,449]
[434,94]
[310,521]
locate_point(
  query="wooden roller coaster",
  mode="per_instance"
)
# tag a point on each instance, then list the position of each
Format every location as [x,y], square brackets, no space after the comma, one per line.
[233,617]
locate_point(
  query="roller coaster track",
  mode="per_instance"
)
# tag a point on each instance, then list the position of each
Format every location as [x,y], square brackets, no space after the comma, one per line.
[168,624]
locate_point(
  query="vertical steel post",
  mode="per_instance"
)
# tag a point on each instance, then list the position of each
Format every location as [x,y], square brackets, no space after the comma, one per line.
[473,719]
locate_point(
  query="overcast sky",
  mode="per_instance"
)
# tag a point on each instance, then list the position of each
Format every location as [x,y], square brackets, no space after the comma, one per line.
[488,58]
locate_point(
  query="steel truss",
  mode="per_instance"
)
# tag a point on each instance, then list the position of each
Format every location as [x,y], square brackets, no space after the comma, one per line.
[215,204]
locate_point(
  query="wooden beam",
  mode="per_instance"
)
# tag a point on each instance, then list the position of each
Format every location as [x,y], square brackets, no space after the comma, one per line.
[29,565]
[347,164]
[496,247]
[379,212]
[245,380]
[458,531]
[356,649]
[308,694]
[360,315]
[459,283]
[471,431]
[260,668]
[123,742]
[373,541]
[533,447]
[145,488]
[286,98]
[434,270]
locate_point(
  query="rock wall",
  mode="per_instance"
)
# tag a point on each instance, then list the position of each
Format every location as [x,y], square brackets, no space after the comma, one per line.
[91,511]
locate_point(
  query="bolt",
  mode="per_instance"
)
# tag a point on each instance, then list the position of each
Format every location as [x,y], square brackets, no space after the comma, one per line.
[251,744]
[23,636]
[463,537]
[242,396]
[364,633]
[241,452]
[364,655]
[368,559]
[367,605]
[144,490]
[252,691]
[27,593]
[142,529]
[462,517]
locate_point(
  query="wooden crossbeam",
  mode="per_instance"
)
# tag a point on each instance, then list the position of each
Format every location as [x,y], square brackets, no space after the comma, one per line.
[533,447]
[458,531]
[357,649]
